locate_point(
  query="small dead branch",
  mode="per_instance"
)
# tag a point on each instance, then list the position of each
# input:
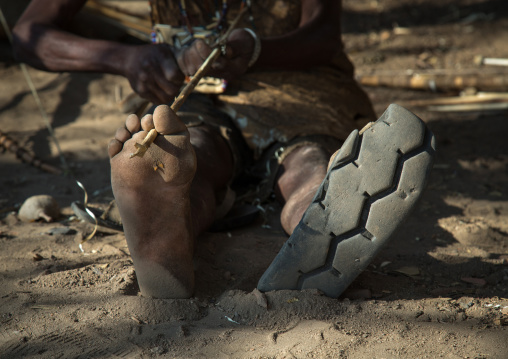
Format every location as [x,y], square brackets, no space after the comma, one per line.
[483,101]
[134,25]
[438,81]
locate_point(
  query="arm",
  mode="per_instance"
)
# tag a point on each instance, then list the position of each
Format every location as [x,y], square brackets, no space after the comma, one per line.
[40,39]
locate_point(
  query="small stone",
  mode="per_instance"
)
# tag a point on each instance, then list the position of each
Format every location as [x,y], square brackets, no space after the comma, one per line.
[11,219]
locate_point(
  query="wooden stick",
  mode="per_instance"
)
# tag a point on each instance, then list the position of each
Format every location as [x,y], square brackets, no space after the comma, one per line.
[438,82]
[134,25]
[496,106]
[142,147]
[481,97]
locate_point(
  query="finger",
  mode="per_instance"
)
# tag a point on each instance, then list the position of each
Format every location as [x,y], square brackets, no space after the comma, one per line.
[202,49]
[145,90]
[168,90]
[173,76]
[153,90]
[191,61]
[157,95]
[220,64]
[191,57]
[240,43]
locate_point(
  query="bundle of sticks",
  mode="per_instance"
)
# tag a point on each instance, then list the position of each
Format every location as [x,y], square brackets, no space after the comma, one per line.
[481,89]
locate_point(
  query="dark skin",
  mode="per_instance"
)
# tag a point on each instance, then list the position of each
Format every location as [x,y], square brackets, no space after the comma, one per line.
[165,211]
[156,72]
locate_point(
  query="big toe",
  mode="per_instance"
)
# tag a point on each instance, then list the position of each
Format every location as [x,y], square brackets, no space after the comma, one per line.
[166,121]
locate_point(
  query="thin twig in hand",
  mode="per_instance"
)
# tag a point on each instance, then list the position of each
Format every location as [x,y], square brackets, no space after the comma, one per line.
[142,147]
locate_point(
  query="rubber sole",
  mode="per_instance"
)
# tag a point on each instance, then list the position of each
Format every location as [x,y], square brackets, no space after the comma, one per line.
[371,186]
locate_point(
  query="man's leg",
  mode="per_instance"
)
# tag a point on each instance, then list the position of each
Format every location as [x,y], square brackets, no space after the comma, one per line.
[167,197]
[302,172]
[371,186]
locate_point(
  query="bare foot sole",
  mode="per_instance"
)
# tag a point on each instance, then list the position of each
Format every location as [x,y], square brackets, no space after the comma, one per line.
[152,194]
[371,185]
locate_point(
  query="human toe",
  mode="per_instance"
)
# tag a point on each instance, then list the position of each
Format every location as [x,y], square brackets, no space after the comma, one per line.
[132,123]
[166,121]
[114,147]
[147,122]
[122,134]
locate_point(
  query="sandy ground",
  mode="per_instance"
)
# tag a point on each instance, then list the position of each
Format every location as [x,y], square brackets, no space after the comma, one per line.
[439,289]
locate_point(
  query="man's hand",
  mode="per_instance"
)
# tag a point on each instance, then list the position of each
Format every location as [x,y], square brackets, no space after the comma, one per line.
[153,73]
[239,50]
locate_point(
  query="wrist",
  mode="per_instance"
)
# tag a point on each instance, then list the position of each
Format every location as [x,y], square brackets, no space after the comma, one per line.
[121,59]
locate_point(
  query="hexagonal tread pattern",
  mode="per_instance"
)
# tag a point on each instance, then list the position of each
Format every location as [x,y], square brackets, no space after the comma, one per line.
[370,188]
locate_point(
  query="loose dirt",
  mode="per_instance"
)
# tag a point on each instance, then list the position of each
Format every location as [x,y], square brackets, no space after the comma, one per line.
[439,289]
